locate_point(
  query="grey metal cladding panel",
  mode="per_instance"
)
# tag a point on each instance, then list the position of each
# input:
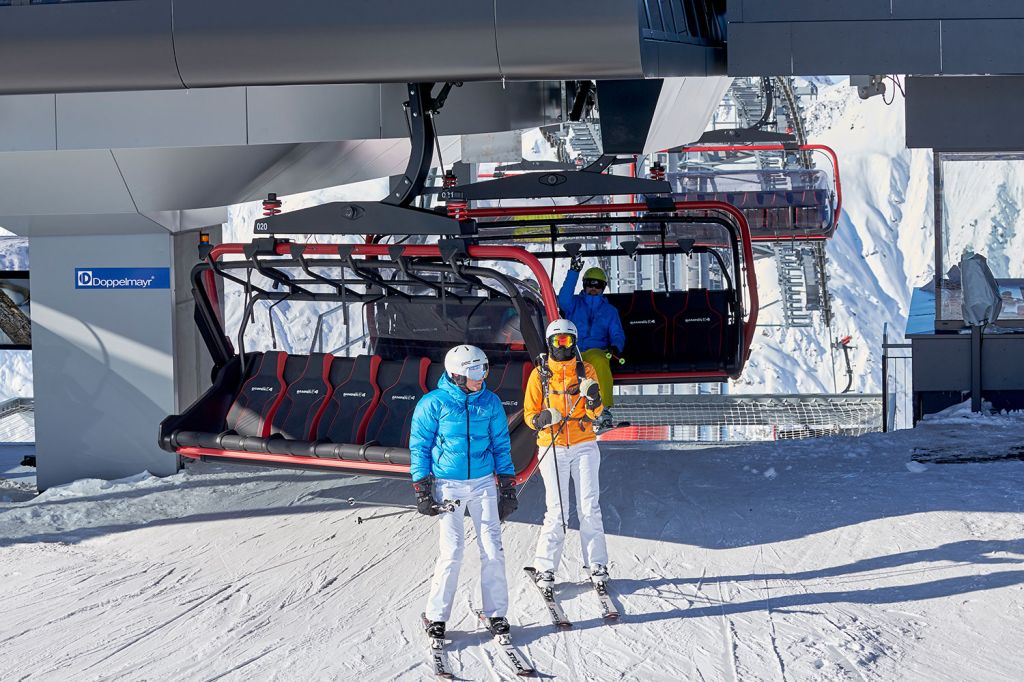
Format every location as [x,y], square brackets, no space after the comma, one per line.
[159,118]
[70,225]
[942,364]
[575,39]
[87,46]
[982,46]
[266,42]
[77,182]
[481,107]
[760,50]
[957,9]
[667,60]
[964,113]
[813,10]
[734,11]
[866,47]
[314,113]
[167,179]
[27,123]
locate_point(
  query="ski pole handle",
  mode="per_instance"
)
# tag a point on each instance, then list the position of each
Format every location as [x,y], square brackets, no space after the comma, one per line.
[447,506]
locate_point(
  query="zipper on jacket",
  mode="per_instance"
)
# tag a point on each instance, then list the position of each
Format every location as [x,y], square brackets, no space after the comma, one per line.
[469,444]
[568,407]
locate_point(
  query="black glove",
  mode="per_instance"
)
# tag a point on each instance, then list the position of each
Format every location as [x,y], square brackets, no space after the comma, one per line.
[546,417]
[576,263]
[425,496]
[591,390]
[507,500]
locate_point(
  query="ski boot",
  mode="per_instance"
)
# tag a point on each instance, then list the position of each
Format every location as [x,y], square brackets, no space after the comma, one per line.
[545,580]
[599,573]
[500,626]
[435,630]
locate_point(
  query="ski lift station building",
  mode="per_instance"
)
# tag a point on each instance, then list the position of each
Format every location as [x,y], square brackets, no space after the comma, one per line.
[129,125]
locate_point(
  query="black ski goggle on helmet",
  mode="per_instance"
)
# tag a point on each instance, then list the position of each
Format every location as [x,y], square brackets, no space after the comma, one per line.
[594,283]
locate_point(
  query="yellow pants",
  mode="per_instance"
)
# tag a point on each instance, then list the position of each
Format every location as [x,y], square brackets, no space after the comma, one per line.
[602,365]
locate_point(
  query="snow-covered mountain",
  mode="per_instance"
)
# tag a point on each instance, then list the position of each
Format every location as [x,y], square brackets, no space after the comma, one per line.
[882,248]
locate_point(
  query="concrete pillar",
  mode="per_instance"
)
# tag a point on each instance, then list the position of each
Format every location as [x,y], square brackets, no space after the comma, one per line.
[103,357]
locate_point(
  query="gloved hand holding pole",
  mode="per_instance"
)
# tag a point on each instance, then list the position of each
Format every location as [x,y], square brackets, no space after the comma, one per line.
[616,354]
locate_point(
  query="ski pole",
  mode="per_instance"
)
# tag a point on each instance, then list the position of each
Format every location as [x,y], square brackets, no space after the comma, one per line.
[609,355]
[443,507]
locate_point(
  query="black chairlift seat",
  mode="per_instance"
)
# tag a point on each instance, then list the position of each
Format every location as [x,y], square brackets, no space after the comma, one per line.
[343,413]
[361,410]
[689,331]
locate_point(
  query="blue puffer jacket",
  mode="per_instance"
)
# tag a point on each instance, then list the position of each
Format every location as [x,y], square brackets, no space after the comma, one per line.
[459,436]
[596,320]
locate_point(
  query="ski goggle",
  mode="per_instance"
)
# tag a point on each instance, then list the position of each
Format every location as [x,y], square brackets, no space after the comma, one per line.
[594,283]
[476,372]
[562,341]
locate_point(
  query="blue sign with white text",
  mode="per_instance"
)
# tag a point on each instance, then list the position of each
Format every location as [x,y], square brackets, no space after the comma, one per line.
[122,278]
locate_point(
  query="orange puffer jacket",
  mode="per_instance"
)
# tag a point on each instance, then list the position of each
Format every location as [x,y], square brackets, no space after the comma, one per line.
[563,392]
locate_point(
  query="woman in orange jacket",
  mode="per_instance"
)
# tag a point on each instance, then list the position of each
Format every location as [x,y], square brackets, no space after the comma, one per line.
[563,399]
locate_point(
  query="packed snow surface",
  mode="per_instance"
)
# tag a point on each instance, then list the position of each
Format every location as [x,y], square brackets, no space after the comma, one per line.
[811,560]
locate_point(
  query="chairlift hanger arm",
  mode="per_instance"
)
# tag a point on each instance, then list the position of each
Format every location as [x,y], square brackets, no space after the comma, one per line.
[253,251]
[338,285]
[346,251]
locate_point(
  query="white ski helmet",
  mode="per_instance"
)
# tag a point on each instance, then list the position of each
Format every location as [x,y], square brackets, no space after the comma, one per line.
[465,362]
[563,351]
[560,326]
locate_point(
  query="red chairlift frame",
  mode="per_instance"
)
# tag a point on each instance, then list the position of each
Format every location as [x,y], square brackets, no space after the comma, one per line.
[828,151]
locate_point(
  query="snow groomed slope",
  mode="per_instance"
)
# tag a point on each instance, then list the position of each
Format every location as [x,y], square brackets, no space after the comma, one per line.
[833,559]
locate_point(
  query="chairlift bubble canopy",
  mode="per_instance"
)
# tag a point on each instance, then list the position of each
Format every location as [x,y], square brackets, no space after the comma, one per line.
[790,202]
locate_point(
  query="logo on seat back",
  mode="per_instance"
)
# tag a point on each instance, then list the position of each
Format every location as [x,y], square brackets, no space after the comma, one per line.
[308,391]
[510,403]
[696,319]
[634,322]
[355,394]
[403,397]
[261,388]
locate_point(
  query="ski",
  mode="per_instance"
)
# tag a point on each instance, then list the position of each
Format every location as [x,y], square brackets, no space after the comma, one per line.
[608,610]
[438,654]
[514,656]
[555,611]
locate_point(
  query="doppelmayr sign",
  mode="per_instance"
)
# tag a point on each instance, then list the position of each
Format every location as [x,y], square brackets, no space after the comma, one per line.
[122,278]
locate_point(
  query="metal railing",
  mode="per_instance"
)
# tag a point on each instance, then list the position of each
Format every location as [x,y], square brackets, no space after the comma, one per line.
[897,384]
[12,428]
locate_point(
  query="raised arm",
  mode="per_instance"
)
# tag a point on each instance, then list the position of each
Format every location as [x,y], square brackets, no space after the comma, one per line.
[566,298]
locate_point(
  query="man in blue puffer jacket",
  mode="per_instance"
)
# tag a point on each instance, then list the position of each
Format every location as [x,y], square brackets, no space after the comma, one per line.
[458,442]
[601,336]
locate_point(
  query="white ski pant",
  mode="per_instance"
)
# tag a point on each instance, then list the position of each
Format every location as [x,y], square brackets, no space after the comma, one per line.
[581,464]
[480,497]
